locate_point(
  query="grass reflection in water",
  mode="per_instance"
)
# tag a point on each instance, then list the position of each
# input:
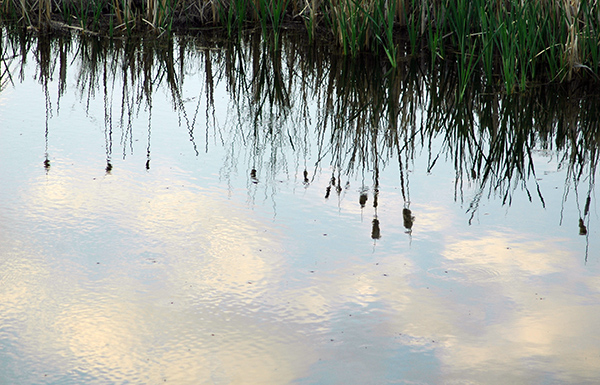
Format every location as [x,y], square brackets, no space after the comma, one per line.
[367,113]
[298,114]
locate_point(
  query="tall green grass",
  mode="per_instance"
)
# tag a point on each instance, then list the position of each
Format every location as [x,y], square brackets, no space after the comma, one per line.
[510,44]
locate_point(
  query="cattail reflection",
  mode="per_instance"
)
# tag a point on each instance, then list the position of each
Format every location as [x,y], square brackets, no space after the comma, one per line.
[587,206]
[582,227]
[375,230]
[363,199]
[327,191]
[408,219]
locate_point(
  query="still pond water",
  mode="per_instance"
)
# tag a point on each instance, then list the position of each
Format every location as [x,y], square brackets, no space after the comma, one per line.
[197,212]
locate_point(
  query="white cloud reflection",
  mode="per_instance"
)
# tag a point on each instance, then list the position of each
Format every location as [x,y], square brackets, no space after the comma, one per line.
[147,278]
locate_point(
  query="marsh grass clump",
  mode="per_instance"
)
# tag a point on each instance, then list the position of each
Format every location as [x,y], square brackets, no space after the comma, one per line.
[509,43]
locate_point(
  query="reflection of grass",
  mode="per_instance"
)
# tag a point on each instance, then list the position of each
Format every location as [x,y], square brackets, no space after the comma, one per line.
[493,138]
[367,112]
[512,42]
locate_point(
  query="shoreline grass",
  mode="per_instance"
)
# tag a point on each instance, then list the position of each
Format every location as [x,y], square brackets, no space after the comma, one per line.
[510,43]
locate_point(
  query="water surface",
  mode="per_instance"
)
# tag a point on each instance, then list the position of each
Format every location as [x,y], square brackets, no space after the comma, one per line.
[196,212]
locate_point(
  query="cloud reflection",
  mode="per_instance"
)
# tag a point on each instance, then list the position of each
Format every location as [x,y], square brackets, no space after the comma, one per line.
[190,301]
[152,278]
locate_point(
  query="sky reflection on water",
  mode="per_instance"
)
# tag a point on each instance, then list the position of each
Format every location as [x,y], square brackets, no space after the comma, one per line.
[189,272]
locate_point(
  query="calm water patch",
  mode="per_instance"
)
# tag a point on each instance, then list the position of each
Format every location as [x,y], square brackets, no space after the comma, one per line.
[199,212]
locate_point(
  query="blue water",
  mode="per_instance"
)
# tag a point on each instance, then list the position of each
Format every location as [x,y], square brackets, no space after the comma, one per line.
[189,272]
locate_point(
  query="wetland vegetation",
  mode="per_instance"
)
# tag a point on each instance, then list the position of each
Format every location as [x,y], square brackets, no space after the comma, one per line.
[508,45]
[189,208]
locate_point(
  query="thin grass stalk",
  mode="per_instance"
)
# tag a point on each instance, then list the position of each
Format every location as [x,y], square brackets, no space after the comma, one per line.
[313,16]
[434,37]
[310,21]
[24,12]
[128,12]
[277,11]
[571,50]
[382,22]
[214,10]
[400,7]
[163,14]
[412,26]
[590,47]
[487,38]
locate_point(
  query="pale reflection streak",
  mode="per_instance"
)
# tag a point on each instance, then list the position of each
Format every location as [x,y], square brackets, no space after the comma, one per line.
[201,299]
[521,302]
[539,318]
[216,270]
[510,254]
